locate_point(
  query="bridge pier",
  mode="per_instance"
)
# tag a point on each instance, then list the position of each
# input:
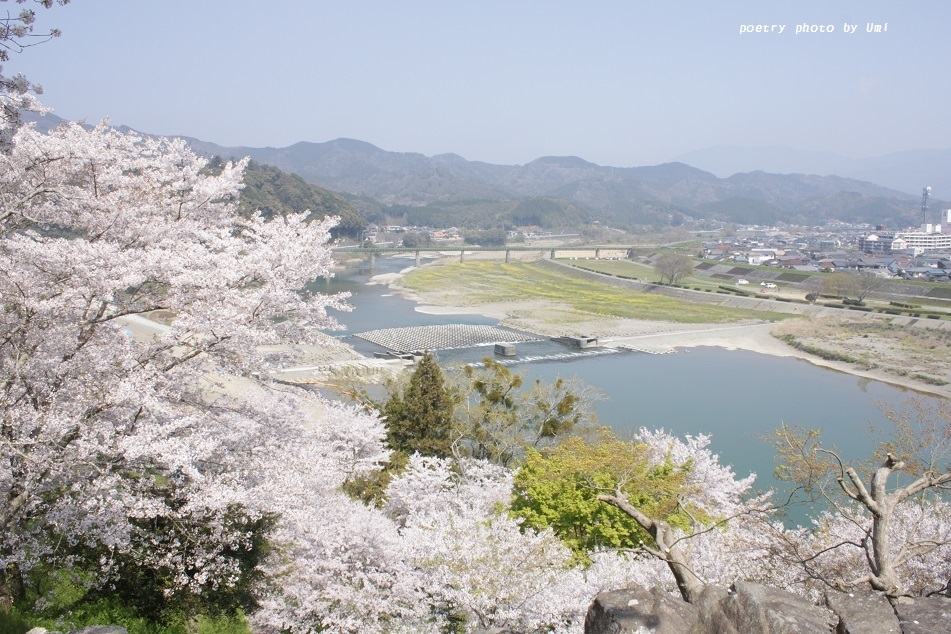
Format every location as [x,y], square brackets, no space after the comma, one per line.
[372,260]
[552,254]
[462,257]
[597,254]
[508,253]
[417,259]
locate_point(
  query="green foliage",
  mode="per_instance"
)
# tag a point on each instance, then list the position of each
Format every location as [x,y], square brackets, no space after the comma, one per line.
[370,488]
[500,417]
[743,211]
[151,588]
[486,238]
[146,589]
[558,489]
[479,213]
[417,239]
[549,212]
[277,193]
[61,599]
[822,353]
[569,506]
[14,623]
[930,380]
[420,418]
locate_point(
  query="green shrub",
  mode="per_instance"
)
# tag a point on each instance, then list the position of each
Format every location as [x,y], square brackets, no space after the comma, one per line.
[929,379]
[822,353]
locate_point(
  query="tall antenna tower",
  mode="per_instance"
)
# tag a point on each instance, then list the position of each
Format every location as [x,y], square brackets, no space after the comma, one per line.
[925,193]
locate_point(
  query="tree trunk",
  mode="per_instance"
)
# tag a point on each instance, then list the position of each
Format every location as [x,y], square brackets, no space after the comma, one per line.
[678,560]
[11,588]
[884,577]
[669,548]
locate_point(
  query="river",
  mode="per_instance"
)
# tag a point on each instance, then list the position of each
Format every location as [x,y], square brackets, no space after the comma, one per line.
[737,397]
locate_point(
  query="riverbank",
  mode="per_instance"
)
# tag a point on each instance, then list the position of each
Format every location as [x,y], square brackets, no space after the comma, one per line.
[550,319]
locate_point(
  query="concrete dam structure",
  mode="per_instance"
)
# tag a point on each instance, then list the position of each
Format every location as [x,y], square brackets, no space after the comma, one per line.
[442,337]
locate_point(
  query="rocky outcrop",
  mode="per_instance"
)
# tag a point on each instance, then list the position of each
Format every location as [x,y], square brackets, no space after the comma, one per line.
[924,615]
[751,607]
[639,610]
[862,611]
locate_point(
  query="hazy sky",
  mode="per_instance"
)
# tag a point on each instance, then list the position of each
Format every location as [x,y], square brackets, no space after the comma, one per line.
[616,82]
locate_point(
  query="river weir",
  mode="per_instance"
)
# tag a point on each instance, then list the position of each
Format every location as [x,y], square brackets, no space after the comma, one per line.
[443,337]
[564,356]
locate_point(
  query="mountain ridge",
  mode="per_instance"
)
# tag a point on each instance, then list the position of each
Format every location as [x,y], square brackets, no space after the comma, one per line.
[626,196]
[906,171]
[448,189]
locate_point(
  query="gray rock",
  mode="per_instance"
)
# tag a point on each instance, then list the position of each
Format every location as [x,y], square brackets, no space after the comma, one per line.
[712,617]
[863,612]
[637,610]
[725,611]
[751,607]
[100,629]
[924,615]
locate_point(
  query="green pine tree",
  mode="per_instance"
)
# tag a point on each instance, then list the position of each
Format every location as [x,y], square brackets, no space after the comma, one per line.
[420,419]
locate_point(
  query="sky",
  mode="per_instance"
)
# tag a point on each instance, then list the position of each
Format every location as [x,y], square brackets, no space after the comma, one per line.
[620,83]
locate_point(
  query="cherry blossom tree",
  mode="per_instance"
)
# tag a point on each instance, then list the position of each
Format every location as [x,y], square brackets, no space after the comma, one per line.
[142,451]
[16,34]
[336,565]
[871,507]
[837,551]
[104,434]
[480,566]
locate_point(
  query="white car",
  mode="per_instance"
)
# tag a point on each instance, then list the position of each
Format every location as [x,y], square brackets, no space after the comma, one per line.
[768,285]
[741,282]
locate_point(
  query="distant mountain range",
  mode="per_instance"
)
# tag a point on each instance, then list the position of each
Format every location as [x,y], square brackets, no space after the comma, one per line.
[447,189]
[908,171]
[458,191]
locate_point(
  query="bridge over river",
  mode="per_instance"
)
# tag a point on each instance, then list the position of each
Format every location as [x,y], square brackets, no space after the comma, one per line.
[372,252]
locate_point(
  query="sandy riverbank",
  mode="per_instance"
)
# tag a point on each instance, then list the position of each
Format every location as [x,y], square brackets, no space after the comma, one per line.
[551,319]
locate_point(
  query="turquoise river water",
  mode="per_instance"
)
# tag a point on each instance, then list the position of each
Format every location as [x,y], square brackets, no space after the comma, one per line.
[737,397]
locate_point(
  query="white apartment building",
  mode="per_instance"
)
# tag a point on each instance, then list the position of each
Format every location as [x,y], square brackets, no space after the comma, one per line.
[929,238]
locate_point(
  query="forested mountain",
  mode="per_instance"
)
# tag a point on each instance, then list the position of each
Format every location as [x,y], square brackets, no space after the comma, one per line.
[458,191]
[274,192]
[554,192]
